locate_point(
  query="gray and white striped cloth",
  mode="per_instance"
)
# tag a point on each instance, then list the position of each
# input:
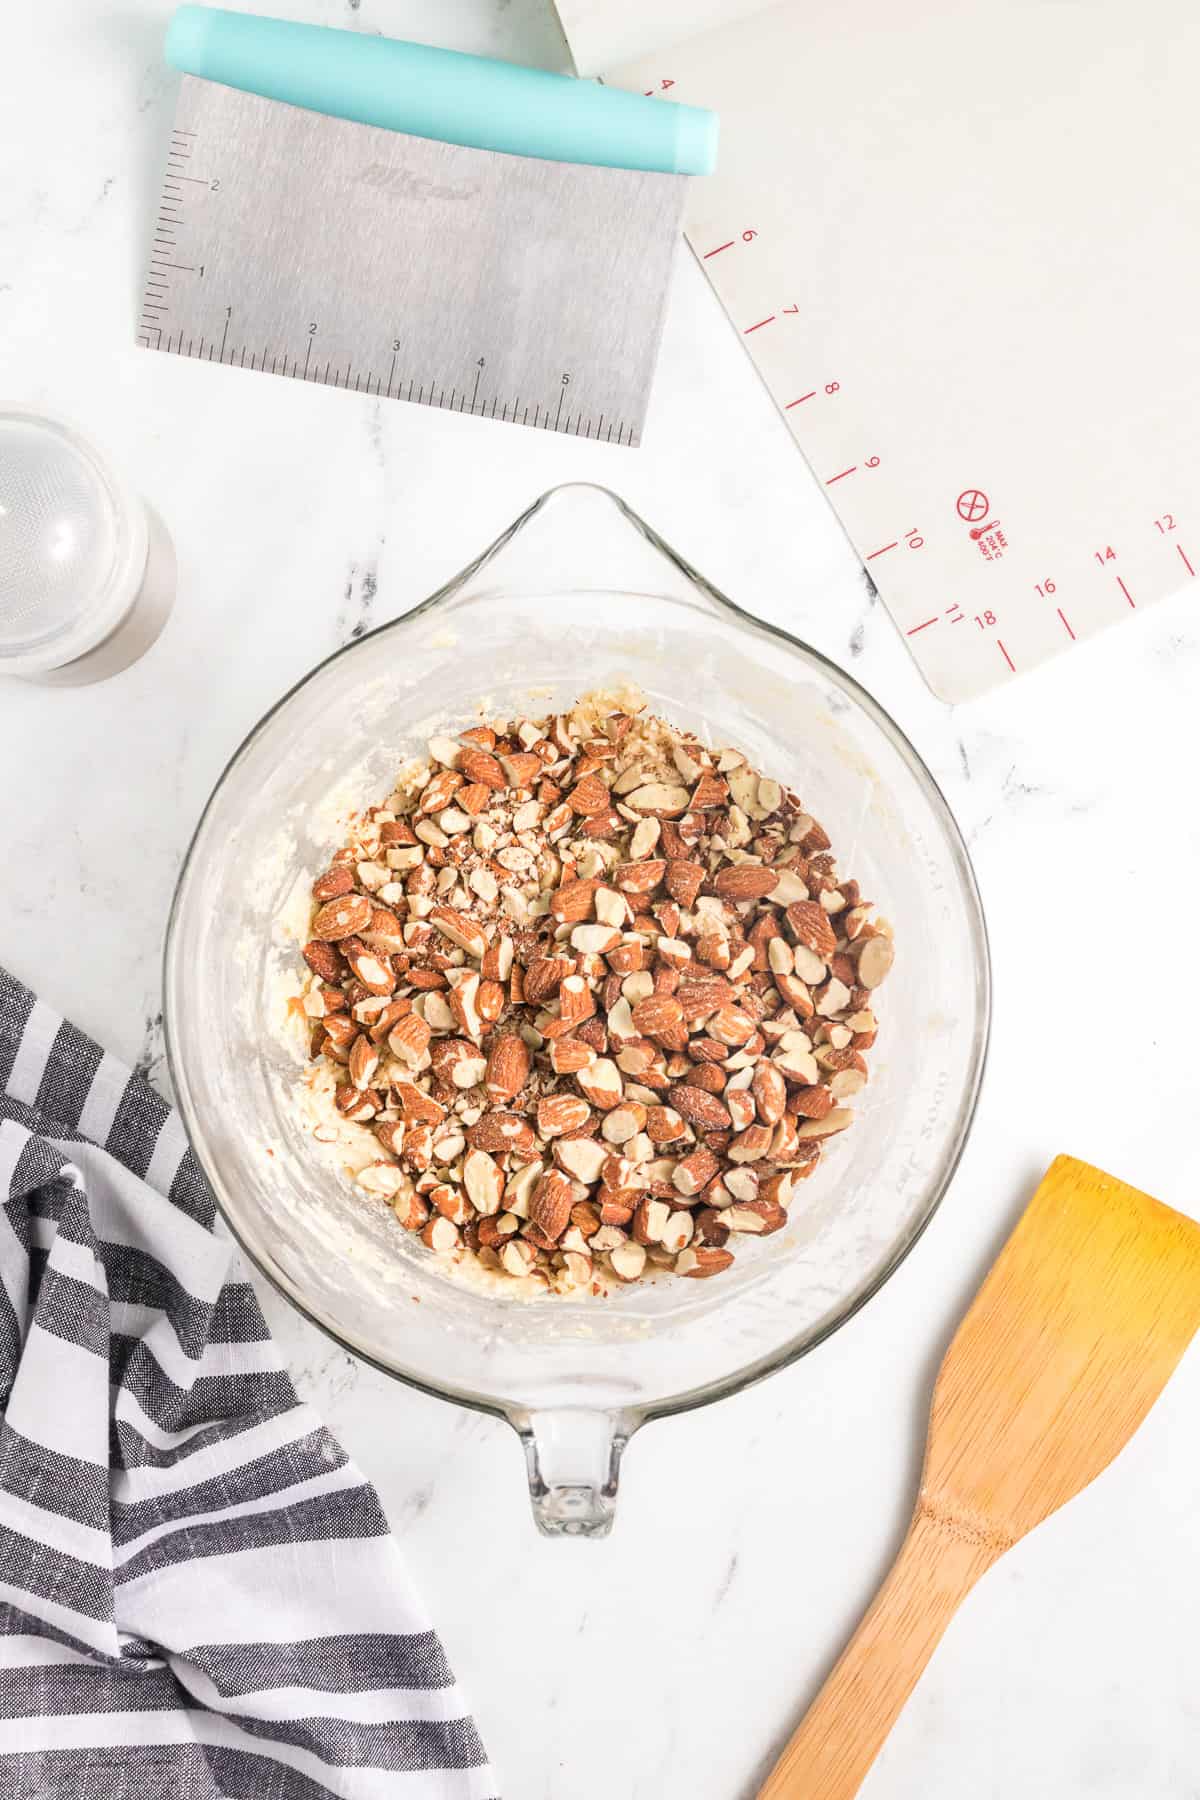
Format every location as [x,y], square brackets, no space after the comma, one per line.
[199,1595]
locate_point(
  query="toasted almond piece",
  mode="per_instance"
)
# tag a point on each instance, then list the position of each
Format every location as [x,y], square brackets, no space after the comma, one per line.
[543,976]
[343,917]
[357,1106]
[627,1260]
[500,1132]
[750,1145]
[576,1271]
[481,767]
[650,1218]
[780,957]
[448,1146]
[759,1217]
[677,1233]
[834,1121]
[658,1016]
[373,972]
[483,883]
[739,882]
[798,1066]
[508,1065]
[483,1181]
[664,1125]
[788,888]
[646,834]
[333,883]
[460,928]
[363,1062]
[666,800]
[741,1107]
[693,1172]
[557,1113]
[440,1234]
[777,1188]
[623,1122]
[611,908]
[846,1083]
[520,1188]
[437,1011]
[611,1233]
[699,1107]
[594,940]
[875,960]
[589,797]
[489,1001]
[833,999]
[570,1054]
[381,1178]
[770,1092]
[699,1261]
[809,967]
[439,789]
[770,795]
[809,924]
[581,1157]
[324,960]
[601,1083]
[409,1207]
[409,1040]
[573,902]
[497,961]
[731,1026]
[575,1003]
[517,1257]
[639,877]
[521,768]
[709,793]
[550,1203]
[418,1107]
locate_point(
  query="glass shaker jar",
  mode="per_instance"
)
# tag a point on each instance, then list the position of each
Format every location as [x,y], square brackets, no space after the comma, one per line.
[87,569]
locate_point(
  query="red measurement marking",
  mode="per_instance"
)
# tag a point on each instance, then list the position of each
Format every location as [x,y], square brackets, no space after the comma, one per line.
[923,627]
[842,476]
[759,326]
[1062,615]
[719,248]
[800,401]
[880,552]
[1008,659]
[1126,592]
[1187,565]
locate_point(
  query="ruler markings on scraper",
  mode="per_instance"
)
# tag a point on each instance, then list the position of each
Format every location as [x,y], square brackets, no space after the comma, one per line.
[394,266]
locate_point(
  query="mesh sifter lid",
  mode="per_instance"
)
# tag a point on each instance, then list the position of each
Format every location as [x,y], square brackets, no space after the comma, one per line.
[72,545]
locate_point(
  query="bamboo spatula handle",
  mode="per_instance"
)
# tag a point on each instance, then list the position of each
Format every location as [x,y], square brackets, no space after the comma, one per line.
[843,1731]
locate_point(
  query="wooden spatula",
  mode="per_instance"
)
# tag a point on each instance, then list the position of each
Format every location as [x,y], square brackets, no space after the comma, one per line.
[1068,1344]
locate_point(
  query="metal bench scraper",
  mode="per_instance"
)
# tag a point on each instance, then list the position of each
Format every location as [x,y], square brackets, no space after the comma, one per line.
[416,223]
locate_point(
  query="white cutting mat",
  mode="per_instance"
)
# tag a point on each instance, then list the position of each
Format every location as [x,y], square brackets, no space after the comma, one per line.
[961,243]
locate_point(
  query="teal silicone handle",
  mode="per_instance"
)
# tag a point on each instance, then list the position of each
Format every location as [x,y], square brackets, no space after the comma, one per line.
[441,94]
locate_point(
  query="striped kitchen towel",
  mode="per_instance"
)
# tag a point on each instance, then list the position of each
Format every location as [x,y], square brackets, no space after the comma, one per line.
[199,1595]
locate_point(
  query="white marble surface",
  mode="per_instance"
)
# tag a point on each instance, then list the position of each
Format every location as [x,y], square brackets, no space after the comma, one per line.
[671,1660]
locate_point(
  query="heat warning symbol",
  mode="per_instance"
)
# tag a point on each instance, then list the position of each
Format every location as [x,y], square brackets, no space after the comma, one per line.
[972,505]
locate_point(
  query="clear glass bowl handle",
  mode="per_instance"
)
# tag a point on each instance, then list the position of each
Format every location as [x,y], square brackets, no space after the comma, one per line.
[573,1459]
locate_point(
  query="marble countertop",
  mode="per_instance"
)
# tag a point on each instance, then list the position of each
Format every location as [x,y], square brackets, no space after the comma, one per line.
[672,1659]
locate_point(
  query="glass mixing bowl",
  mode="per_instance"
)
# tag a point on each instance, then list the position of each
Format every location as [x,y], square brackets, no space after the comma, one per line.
[531,625]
